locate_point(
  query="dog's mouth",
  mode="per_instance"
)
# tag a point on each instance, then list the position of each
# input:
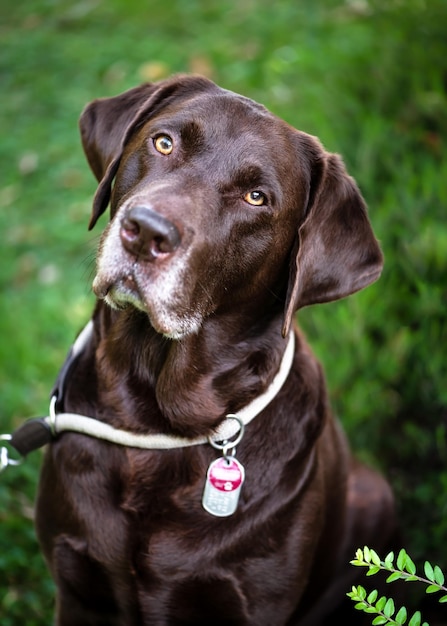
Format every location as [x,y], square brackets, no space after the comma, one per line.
[164,318]
[121,293]
[126,293]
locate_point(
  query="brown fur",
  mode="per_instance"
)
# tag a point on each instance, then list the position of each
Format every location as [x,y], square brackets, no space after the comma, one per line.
[196,329]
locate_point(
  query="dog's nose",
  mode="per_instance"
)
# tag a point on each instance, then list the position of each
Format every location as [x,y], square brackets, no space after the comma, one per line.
[145,233]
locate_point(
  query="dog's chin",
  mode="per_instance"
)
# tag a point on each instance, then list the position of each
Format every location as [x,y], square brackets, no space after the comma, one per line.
[125,293]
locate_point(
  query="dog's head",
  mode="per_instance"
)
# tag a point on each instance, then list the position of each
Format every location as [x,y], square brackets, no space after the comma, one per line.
[218,205]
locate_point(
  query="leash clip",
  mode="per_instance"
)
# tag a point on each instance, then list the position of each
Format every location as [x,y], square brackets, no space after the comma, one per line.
[31,435]
[5,459]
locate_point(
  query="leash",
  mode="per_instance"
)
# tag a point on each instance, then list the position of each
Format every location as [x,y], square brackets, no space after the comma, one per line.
[37,432]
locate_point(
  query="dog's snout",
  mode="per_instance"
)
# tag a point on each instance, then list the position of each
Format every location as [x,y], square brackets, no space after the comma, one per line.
[146,233]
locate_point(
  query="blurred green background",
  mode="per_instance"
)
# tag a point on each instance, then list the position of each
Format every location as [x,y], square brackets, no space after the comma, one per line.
[370,79]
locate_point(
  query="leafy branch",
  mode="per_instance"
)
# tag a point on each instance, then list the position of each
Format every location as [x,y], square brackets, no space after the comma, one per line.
[404,569]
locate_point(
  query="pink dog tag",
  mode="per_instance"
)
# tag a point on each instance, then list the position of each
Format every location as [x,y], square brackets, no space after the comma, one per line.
[223,485]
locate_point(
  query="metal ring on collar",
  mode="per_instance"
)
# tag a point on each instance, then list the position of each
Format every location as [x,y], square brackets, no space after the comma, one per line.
[227,443]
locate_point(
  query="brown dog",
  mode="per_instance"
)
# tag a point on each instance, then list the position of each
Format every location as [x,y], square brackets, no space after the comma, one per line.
[225,221]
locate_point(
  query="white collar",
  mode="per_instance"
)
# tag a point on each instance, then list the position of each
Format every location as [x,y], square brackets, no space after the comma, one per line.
[60,422]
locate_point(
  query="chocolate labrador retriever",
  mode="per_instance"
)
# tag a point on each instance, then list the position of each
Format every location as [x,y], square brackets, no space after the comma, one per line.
[224,492]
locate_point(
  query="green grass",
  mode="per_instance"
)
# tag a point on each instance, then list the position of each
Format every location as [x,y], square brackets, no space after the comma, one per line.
[369,78]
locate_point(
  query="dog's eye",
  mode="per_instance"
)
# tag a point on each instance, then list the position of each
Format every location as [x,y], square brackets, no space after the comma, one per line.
[256,198]
[163,144]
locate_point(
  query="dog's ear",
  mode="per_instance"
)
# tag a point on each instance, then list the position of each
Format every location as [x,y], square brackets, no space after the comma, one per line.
[107,124]
[103,125]
[336,252]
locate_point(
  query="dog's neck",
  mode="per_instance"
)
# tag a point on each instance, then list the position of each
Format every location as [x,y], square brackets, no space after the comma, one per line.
[194,381]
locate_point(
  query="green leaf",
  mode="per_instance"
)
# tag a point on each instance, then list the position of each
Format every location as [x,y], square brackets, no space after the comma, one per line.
[401,560]
[401,616]
[428,570]
[432,589]
[359,554]
[439,576]
[357,562]
[394,576]
[409,579]
[379,620]
[443,599]
[373,569]
[389,609]
[381,603]
[361,606]
[361,592]
[373,596]
[389,559]
[415,620]
[367,554]
[375,557]
[410,566]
